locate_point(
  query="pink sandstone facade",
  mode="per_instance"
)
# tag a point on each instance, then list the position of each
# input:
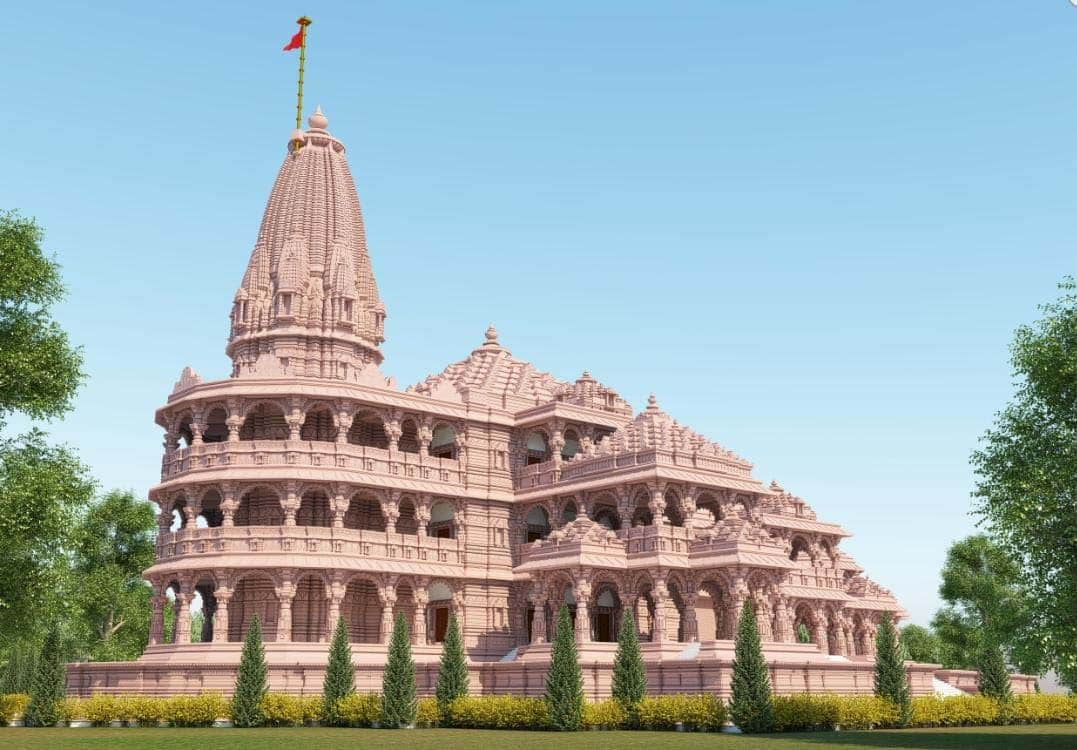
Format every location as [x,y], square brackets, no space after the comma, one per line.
[307,487]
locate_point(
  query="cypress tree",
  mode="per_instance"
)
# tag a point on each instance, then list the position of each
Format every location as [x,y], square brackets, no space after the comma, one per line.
[890,680]
[629,674]
[339,675]
[750,706]
[994,677]
[564,680]
[49,683]
[252,679]
[398,703]
[452,671]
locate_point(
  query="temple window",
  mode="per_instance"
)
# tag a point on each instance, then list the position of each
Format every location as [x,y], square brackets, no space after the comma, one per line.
[443,443]
[438,610]
[314,510]
[569,512]
[364,513]
[442,521]
[264,422]
[216,429]
[211,516]
[259,507]
[800,551]
[407,522]
[571,446]
[537,449]
[318,425]
[606,616]
[538,524]
[368,430]
[184,432]
[607,516]
[409,437]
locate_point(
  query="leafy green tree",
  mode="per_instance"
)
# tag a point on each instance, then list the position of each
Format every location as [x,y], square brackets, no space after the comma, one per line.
[19,668]
[564,680]
[42,491]
[113,544]
[985,597]
[198,621]
[750,705]
[921,644]
[252,679]
[49,684]
[994,677]
[891,682]
[39,369]
[398,702]
[452,671]
[629,673]
[803,634]
[339,676]
[1027,471]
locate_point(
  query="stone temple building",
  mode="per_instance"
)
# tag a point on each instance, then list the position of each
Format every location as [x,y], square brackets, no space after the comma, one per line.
[308,487]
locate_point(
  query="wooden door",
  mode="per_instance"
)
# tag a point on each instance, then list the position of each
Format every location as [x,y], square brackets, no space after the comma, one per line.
[441,623]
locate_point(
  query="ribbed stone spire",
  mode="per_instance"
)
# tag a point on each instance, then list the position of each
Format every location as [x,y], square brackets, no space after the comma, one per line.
[308,305]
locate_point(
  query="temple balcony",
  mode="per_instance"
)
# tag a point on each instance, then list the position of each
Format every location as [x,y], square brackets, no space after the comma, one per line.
[248,459]
[316,547]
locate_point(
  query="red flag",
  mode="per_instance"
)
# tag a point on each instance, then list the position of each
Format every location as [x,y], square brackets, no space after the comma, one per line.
[297,41]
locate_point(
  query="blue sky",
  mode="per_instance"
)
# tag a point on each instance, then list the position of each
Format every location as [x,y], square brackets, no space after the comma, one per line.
[809,228]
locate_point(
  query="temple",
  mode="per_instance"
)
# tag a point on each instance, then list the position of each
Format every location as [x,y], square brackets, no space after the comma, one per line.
[308,487]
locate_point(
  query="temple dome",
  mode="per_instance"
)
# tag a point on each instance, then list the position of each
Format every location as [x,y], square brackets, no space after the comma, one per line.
[308,304]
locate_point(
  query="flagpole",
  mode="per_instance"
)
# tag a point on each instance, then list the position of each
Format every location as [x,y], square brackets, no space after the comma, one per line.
[303,22]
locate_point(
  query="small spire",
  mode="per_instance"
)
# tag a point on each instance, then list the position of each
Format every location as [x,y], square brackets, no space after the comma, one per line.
[652,403]
[318,120]
[491,334]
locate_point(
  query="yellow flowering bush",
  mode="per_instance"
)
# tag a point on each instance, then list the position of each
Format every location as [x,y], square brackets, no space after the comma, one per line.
[427,714]
[953,711]
[312,708]
[282,710]
[360,710]
[1040,708]
[69,709]
[500,712]
[12,706]
[195,710]
[865,712]
[703,711]
[608,714]
[145,709]
[101,709]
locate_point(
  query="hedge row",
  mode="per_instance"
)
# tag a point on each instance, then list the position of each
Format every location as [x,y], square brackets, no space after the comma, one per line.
[802,712]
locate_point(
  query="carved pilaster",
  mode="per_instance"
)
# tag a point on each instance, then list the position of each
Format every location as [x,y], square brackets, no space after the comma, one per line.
[220,618]
[582,590]
[228,504]
[182,606]
[422,599]
[343,419]
[285,594]
[157,619]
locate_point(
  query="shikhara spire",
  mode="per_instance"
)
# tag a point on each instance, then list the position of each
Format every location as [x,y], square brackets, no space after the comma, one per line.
[308,304]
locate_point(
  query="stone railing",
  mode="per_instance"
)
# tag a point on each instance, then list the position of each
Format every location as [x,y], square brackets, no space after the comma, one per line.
[311,453]
[550,472]
[299,540]
[644,540]
[817,578]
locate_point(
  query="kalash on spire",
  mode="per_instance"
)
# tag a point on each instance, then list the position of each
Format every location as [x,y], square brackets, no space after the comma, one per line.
[308,305]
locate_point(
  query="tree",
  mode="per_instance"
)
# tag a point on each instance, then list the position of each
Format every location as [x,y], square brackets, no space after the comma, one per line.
[49,684]
[113,544]
[921,644]
[1027,471]
[985,597]
[452,671]
[251,680]
[891,682]
[40,371]
[750,705]
[20,667]
[42,491]
[803,634]
[994,677]
[629,674]
[339,676]
[564,680]
[398,703]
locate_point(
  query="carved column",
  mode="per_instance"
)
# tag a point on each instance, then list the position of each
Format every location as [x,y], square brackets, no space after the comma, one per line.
[291,503]
[234,422]
[220,618]
[422,514]
[390,508]
[157,619]
[171,442]
[661,601]
[344,421]
[583,611]
[657,506]
[196,433]
[784,619]
[388,601]
[819,634]
[740,594]
[295,423]
[228,504]
[689,623]
[426,434]
[538,619]
[164,524]
[285,594]
[337,590]
[763,617]
[339,506]
[422,599]
[182,605]
[393,430]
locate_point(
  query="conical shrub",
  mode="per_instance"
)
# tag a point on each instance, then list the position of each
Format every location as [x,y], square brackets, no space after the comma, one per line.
[49,683]
[629,674]
[398,703]
[564,680]
[251,680]
[750,706]
[890,680]
[994,677]
[452,671]
[339,676]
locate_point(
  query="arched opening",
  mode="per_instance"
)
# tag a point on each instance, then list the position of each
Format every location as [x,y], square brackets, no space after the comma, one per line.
[216,429]
[361,610]
[314,510]
[364,512]
[606,515]
[368,430]
[826,549]
[309,610]
[673,508]
[538,450]
[438,610]
[804,625]
[569,512]
[571,446]
[407,522]
[171,613]
[678,603]
[442,520]
[860,636]
[642,516]
[644,611]
[714,610]
[833,633]
[265,422]
[538,524]
[178,514]
[800,552]
[255,594]
[259,507]
[606,614]
[409,437]
[443,443]
[184,433]
[318,425]
[203,611]
[708,504]
[211,516]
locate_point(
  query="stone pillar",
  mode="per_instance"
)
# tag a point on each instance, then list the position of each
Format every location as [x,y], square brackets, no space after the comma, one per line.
[336,598]
[538,619]
[339,507]
[390,508]
[157,619]
[234,423]
[285,594]
[228,505]
[418,634]
[388,600]
[344,424]
[291,504]
[196,433]
[393,430]
[295,423]
[583,611]
[665,614]
[426,434]
[740,594]
[762,618]
[164,523]
[220,618]
[689,623]
[182,605]
[657,506]
[171,442]
[422,514]
[782,614]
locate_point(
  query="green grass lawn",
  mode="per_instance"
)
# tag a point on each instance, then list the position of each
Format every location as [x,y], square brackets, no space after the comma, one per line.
[996,738]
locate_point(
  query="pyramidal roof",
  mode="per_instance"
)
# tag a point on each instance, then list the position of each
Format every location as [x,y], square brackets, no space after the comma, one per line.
[308,304]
